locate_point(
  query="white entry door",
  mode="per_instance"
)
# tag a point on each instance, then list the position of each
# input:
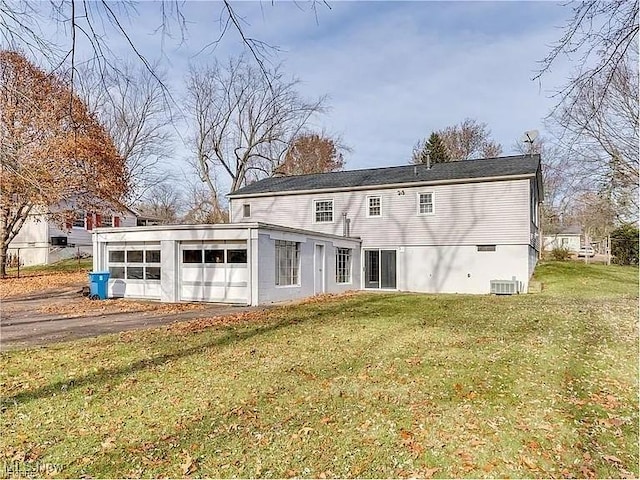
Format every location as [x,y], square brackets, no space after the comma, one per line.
[319,269]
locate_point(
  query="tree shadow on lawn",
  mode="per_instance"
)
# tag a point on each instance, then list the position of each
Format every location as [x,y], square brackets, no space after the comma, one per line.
[232,428]
[229,337]
[90,315]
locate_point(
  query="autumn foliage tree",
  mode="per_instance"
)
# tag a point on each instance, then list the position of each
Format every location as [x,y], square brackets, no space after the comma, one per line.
[54,156]
[312,153]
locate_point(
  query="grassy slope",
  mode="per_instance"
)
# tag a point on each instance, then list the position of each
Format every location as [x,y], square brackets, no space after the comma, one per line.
[71,265]
[369,386]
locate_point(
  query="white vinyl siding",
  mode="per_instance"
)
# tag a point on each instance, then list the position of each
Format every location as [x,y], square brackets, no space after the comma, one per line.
[323,211]
[467,214]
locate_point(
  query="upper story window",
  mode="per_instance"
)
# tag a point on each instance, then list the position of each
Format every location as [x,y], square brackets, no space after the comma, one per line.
[106,221]
[374,206]
[425,203]
[246,210]
[323,211]
[79,220]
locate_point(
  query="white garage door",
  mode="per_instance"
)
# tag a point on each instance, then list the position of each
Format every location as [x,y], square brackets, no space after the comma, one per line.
[214,272]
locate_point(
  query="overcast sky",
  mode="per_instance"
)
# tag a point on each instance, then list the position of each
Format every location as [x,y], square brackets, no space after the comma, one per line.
[393,71]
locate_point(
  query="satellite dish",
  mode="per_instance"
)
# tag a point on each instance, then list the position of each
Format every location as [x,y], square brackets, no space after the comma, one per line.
[529,136]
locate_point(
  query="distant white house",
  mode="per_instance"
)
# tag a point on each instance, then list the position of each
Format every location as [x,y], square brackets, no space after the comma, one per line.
[569,238]
[450,228]
[41,241]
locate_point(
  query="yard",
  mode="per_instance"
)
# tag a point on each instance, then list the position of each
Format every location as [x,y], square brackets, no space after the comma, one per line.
[364,385]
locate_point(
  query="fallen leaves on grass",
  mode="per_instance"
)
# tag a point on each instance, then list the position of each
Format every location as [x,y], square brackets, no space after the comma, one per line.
[10,287]
[189,464]
[201,324]
[612,459]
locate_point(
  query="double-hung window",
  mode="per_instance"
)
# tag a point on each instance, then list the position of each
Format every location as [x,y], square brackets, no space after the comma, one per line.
[426,203]
[323,211]
[287,263]
[343,265]
[79,220]
[374,206]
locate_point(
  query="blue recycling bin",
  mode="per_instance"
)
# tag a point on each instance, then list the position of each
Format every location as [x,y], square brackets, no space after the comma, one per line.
[99,282]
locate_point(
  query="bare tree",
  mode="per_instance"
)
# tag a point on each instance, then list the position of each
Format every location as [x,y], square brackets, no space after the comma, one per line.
[469,139]
[595,214]
[204,206]
[561,186]
[133,107]
[600,127]
[92,27]
[244,121]
[164,203]
[598,37]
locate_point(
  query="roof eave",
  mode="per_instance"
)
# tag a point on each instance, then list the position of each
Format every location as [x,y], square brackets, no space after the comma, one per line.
[384,186]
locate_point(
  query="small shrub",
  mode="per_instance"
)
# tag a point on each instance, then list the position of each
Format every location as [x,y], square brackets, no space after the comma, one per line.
[561,254]
[624,245]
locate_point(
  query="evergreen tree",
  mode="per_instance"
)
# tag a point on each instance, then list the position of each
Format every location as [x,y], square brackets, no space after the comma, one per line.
[436,149]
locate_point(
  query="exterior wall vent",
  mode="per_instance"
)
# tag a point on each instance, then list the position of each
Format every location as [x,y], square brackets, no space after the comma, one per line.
[505,287]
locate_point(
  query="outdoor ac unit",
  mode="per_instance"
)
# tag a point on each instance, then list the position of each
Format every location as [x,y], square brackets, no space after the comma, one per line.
[504,287]
[59,241]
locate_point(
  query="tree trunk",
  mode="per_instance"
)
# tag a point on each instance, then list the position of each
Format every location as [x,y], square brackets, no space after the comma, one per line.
[4,247]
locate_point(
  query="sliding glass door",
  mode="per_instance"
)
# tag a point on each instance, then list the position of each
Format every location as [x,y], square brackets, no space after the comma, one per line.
[380,269]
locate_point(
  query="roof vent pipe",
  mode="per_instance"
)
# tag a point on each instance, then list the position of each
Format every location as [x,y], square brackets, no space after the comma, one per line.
[428,161]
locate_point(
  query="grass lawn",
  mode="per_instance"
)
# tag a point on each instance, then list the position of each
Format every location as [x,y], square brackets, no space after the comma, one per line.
[41,277]
[70,265]
[369,385]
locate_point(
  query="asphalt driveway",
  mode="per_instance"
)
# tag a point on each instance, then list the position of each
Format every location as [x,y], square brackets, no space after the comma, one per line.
[62,314]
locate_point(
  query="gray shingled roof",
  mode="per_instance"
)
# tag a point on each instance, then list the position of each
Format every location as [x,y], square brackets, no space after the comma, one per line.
[406,174]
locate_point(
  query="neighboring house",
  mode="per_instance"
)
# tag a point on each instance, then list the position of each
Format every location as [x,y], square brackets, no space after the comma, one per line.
[451,228]
[569,238]
[41,241]
[454,227]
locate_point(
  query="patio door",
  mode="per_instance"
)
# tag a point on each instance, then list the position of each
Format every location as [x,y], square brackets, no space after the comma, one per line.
[380,269]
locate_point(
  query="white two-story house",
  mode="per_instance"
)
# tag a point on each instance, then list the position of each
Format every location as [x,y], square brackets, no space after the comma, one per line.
[452,227]
[42,240]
